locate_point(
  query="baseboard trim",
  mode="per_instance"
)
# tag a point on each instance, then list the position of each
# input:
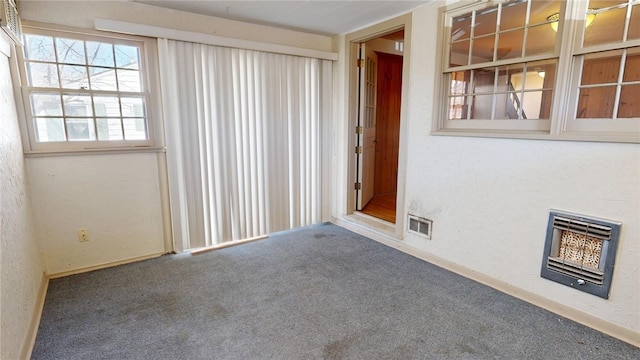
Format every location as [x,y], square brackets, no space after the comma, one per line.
[619,332]
[227,244]
[103,265]
[32,332]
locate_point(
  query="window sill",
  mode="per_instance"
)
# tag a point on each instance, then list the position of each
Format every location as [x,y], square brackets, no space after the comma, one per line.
[127,150]
[542,135]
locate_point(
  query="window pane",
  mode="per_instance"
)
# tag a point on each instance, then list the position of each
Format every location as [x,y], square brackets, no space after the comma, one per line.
[77,105]
[510,44]
[129,80]
[541,10]
[127,56]
[539,75]
[601,68]
[540,40]
[106,106]
[100,54]
[601,4]
[460,82]
[70,51]
[80,129]
[459,53]
[513,15]
[507,106]
[483,80]
[461,27]
[531,105]
[634,25]
[632,65]
[517,81]
[37,47]
[42,75]
[537,104]
[135,129]
[103,79]
[486,21]
[457,107]
[511,78]
[109,129]
[607,27]
[596,102]
[43,104]
[133,107]
[49,129]
[483,49]
[629,101]
[73,77]
[482,105]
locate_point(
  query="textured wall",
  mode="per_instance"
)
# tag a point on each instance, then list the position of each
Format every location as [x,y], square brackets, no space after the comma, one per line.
[490,198]
[21,268]
[82,13]
[115,197]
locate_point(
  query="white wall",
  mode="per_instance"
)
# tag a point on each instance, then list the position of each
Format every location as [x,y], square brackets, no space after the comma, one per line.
[21,267]
[116,197]
[82,14]
[489,199]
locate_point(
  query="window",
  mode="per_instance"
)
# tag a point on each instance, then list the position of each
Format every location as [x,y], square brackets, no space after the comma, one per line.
[86,91]
[546,69]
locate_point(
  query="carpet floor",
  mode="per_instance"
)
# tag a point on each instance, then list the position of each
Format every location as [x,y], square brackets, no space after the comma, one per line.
[320,292]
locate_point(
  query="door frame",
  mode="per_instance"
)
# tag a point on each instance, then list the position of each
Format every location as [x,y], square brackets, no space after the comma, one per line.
[352,41]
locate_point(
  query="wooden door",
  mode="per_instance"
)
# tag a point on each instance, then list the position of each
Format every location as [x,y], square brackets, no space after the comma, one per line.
[389,95]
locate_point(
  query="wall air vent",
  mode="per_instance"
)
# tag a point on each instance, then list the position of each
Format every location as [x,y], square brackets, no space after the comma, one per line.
[10,20]
[580,252]
[420,226]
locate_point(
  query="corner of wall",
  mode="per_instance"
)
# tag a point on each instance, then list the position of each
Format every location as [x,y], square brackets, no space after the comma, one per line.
[22,279]
[32,330]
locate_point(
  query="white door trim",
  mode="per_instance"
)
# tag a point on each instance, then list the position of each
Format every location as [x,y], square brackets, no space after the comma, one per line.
[351,56]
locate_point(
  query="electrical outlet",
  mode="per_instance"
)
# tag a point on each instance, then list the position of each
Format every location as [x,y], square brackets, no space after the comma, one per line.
[83,235]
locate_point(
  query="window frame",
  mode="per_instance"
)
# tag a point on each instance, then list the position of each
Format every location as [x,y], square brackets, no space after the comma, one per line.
[562,123]
[149,74]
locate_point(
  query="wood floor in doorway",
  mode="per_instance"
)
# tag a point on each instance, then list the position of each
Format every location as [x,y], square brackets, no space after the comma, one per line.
[383,207]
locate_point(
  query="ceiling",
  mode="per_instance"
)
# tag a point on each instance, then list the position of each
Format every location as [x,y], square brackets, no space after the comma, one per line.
[312,16]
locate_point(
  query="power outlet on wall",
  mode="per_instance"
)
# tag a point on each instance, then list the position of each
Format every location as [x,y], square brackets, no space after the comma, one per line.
[83,235]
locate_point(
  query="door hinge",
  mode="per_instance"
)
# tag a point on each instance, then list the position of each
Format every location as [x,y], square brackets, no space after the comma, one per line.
[360,63]
[358,186]
[359,130]
[358,149]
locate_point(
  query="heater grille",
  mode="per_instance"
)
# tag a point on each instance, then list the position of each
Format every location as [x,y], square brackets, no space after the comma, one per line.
[420,226]
[10,20]
[580,251]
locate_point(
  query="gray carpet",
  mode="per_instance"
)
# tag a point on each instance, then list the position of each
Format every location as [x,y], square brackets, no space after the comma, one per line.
[320,292]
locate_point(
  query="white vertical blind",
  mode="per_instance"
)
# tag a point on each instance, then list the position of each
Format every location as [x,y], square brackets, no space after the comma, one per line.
[243,135]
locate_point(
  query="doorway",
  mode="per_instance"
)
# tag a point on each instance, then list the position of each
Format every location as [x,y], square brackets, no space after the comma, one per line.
[378,128]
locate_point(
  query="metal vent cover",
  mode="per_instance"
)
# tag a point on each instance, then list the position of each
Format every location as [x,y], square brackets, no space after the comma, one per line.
[580,252]
[10,20]
[420,226]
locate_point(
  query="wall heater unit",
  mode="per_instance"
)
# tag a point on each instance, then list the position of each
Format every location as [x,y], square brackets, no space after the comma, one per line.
[10,20]
[580,252]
